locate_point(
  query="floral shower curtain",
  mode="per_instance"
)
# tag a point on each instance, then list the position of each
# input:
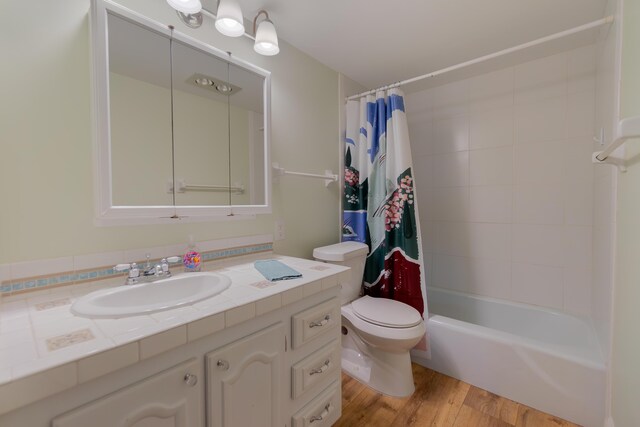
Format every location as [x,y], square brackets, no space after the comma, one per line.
[379,200]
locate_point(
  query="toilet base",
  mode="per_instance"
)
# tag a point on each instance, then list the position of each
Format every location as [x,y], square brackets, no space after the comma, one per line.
[385,372]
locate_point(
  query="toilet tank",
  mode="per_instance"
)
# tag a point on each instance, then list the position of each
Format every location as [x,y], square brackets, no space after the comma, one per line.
[349,254]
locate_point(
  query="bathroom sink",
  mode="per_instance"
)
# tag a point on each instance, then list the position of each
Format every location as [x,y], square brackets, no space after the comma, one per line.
[146,298]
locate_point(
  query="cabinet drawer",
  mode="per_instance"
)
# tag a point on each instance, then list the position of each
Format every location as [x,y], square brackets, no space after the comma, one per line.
[324,410]
[315,321]
[315,368]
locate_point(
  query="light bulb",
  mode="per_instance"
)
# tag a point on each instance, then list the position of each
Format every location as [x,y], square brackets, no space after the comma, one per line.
[266,39]
[188,7]
[229,19]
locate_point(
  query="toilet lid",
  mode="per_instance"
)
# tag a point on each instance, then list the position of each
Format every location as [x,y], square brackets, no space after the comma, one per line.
[386,312]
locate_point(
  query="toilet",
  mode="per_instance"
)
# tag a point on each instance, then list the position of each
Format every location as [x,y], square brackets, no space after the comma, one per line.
[377,333]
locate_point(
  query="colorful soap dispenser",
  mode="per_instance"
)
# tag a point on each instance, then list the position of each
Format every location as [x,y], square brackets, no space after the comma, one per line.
[191,260]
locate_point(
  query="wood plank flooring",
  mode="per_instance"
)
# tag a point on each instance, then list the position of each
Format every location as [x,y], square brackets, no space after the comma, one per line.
[439,401]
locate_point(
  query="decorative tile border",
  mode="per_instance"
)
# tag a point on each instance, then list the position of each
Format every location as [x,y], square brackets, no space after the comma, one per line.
[52,304]
[30,284]
[75,337]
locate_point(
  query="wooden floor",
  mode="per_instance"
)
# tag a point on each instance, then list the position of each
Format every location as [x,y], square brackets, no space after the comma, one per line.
[438,401]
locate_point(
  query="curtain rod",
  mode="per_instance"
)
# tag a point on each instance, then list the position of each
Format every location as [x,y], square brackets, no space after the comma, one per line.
[594,24]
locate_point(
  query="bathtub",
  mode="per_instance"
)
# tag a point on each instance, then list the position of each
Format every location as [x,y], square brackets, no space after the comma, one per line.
[545,359]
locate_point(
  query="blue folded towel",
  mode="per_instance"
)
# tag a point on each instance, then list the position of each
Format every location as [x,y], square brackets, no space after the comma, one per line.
[274,270]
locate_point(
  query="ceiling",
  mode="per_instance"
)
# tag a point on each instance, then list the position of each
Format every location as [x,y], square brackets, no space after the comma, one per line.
[376,42]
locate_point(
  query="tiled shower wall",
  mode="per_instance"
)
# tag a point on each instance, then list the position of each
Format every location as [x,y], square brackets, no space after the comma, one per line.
[505,181]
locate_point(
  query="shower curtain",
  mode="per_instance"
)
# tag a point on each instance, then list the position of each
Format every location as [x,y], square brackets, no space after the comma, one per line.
[379,199]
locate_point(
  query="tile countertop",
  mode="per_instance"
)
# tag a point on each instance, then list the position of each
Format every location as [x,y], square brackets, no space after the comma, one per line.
[38,332]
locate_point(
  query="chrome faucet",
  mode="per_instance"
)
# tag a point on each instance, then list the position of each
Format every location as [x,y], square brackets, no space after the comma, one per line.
[151,273]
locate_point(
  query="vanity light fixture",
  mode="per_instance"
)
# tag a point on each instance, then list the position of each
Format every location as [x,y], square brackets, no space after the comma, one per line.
[266,37]
[229,20]
[188,7]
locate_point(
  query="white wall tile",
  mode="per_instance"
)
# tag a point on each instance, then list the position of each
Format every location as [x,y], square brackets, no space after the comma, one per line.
[450,94]
[42,267]
[578,204]
[5,272]
[538,244]
[491,90]
[539,164]
[582,69]
[491,128]
[541,79]
[527,133]
[450,135]
[419,102]
[537,284]
[138,255]
[451,272]
[428,231]
[451,204]
[106,259]
[492,166]
[427,209]
[427,259]
[577,290]
[421,137]
[451,170]
[423,172]
[452,238]
[576,154]
[490,241]
[490,278]
[581,114]
[491,204]
[578,241]
[541,121]
[539,204]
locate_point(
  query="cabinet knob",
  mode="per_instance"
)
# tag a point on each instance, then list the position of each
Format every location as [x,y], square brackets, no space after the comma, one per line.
[190,379]
[223,365]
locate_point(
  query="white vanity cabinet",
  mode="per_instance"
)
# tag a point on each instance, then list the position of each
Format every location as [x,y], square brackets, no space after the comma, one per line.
[172,398]
[277,367]
[244,380]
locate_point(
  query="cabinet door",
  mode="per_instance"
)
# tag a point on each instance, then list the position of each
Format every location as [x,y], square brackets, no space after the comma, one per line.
[244,381]
[172,398]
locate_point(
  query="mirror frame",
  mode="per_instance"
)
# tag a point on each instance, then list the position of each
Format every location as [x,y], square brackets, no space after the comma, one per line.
[106,212]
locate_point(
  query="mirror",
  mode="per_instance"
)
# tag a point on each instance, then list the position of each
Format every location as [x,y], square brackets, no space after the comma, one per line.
[182,128]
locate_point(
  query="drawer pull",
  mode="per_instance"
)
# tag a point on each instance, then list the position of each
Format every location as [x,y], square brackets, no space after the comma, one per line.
[322,415]
[322,368]
[190,379]
[322,322]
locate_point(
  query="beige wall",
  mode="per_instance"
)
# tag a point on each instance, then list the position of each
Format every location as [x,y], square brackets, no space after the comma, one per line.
[626,317]
[46,165]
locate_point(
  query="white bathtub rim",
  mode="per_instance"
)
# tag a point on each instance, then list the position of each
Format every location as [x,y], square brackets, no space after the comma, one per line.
[513,340]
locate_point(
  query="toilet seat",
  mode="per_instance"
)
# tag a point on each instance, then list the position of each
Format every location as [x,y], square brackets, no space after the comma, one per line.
[385,312]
